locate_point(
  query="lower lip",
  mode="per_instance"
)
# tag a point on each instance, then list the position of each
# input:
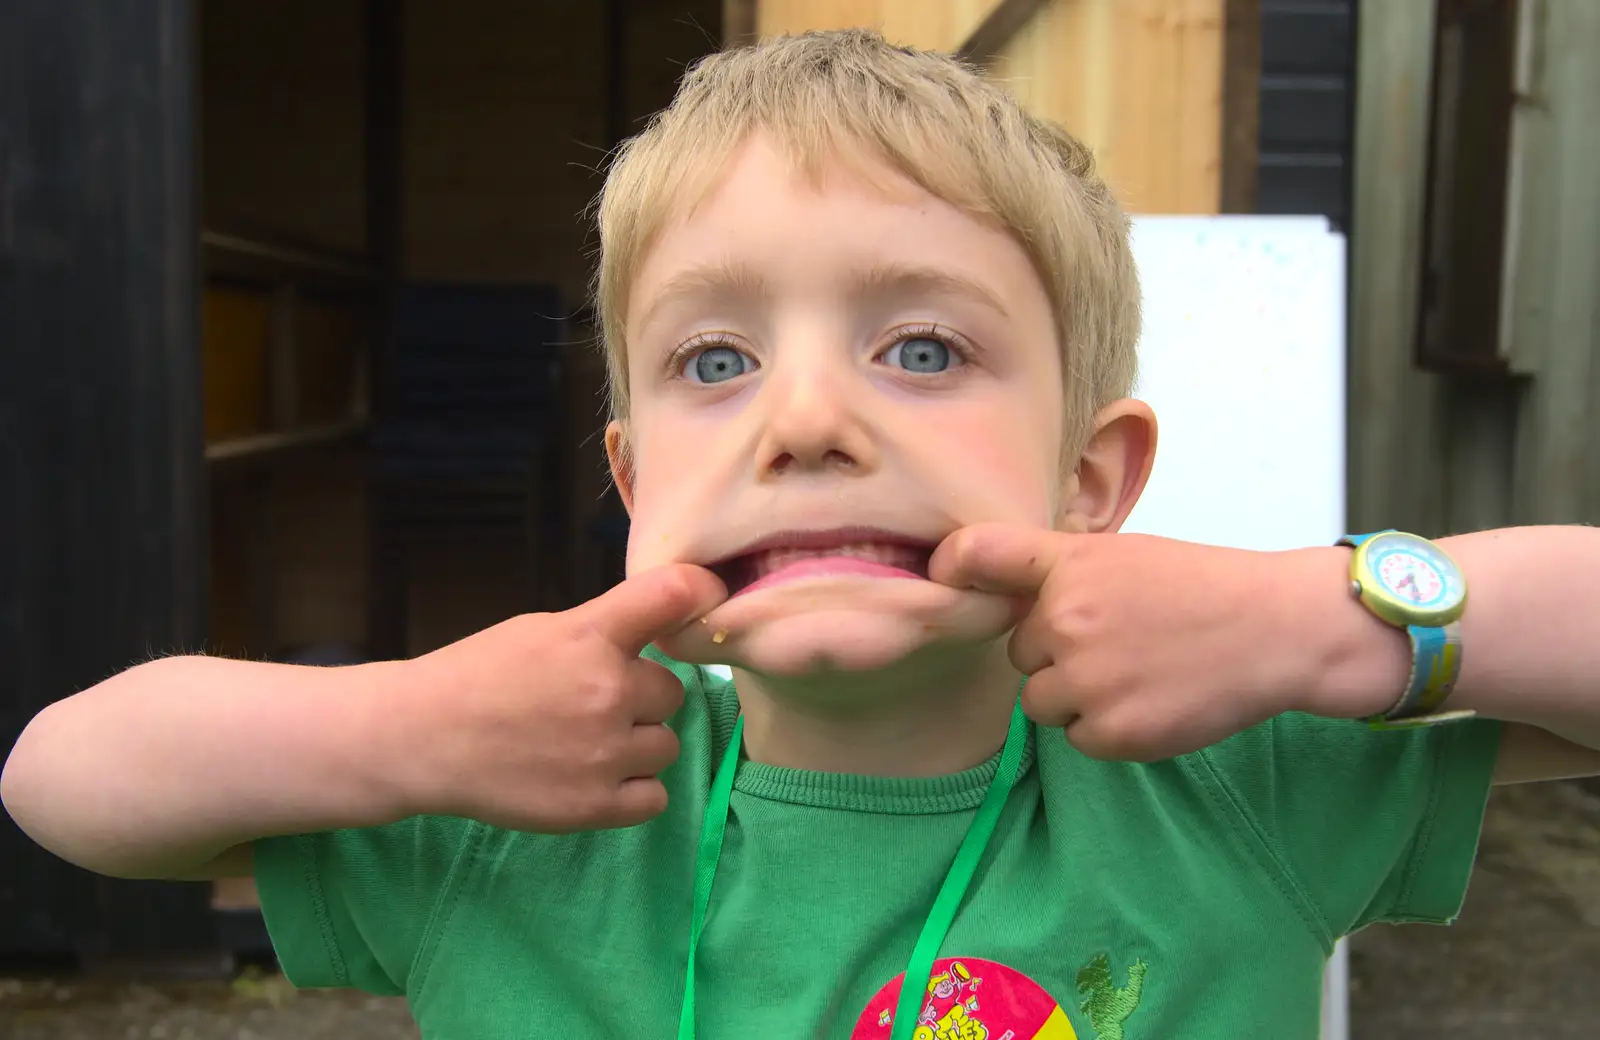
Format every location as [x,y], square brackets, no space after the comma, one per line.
[827,567]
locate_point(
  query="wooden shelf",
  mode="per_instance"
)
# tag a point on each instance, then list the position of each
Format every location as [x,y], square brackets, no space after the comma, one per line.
[268,445]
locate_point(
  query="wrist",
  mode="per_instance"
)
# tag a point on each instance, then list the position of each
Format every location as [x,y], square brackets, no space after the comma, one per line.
[386,714]
[1353,665]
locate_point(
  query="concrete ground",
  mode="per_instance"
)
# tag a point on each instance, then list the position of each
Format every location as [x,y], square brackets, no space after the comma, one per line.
[1523,961]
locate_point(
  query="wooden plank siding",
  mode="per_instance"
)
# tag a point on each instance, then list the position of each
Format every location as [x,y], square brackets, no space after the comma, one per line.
[1439,452]
[1139,81]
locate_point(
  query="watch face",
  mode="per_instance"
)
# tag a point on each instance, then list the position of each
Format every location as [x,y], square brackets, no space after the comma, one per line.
[1413,572]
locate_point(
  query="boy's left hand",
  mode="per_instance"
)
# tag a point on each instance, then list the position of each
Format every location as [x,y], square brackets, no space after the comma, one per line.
[1143,648]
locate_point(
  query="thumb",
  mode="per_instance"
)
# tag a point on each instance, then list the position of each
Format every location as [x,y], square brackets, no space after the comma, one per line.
[653,604]
[1007,559]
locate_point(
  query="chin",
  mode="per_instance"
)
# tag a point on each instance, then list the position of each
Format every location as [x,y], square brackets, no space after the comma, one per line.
[842,624]
[815,643]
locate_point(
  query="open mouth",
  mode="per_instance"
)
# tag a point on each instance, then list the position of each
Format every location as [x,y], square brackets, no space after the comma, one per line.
[791,556]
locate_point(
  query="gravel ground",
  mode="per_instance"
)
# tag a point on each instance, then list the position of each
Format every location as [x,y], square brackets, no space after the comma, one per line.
[253,1007]
[1524,961]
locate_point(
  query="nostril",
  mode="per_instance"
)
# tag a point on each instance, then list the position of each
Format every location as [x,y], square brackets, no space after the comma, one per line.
[831,459]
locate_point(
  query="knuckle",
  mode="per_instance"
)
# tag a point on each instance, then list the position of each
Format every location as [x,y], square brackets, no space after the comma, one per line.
[598,757]
[1064,616]
[1043,706]
[653,799]
[1128,736]
[676,584]
[978,542]
[607,691]
[964,542]
[1089,736]
[642,802]
[668,745]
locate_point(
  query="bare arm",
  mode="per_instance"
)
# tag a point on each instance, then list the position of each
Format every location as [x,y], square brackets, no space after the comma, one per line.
[545,722]
[170,769]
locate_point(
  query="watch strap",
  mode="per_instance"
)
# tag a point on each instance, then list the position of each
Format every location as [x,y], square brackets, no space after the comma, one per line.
[1354,541]
[1435,667]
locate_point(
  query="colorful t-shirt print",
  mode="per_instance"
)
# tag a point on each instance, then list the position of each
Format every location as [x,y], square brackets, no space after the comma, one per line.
[971,999]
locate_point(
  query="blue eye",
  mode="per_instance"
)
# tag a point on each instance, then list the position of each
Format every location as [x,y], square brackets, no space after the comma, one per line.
[718,365]
[921,354]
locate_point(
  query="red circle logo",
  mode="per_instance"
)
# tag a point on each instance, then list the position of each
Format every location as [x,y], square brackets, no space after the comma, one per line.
[971,999]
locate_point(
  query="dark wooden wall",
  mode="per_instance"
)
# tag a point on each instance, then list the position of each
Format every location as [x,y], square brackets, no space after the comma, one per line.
[100,470]
[125,130]
[510,110]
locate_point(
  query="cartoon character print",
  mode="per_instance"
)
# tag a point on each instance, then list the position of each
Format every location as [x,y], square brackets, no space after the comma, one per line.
[952,1002]
[971,999]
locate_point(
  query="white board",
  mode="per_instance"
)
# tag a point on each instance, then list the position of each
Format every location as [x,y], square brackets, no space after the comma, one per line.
[1243,360]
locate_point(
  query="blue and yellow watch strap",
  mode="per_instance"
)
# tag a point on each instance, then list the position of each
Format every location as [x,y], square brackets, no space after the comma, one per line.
[1435,667]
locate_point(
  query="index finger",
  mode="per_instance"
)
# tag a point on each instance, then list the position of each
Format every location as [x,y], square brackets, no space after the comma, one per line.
[656,603]
[1008,559]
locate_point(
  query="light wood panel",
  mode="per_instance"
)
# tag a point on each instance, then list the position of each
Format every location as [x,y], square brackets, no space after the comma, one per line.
[938,25]
[1139,81]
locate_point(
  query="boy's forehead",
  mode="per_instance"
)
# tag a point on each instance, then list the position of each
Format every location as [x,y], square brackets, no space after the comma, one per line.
[702,241]
[761,167]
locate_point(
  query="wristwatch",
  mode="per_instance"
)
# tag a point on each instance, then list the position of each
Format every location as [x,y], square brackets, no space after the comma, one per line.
[1412,584]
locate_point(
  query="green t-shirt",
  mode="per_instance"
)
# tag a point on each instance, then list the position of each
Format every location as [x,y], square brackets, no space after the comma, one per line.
[1197,897]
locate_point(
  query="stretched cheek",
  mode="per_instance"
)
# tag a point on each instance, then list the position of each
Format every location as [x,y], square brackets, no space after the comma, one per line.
[1006,475]
[666,503]
[1018,490]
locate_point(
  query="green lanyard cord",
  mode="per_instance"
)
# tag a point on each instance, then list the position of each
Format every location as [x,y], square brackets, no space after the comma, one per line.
[914,986]
[945,906]
[705,865]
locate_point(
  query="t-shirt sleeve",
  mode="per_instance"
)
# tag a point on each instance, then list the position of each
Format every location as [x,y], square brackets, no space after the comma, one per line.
[355,908]
[1370,826]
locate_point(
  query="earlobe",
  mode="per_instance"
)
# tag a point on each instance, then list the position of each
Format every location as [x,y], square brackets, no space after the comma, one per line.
[620,456]
[1113,470]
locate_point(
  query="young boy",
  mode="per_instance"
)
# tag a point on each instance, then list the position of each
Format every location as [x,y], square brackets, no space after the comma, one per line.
[871,331]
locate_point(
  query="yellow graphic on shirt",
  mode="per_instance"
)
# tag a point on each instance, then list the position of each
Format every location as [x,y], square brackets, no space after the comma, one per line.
[955,1023]
[972,999]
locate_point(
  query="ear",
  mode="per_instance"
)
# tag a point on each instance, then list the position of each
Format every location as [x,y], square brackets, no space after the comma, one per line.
[620,455]
[1112,471]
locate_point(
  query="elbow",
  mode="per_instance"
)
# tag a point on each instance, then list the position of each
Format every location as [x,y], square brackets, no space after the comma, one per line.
[45,795]
[22,780]
[54,784]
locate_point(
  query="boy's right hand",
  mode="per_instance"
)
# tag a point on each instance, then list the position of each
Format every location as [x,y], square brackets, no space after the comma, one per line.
[553,722]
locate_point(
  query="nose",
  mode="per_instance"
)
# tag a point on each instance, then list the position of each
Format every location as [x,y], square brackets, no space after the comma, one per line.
[814,423]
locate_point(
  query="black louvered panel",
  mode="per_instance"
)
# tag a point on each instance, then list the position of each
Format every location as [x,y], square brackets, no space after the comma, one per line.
[469,443]
[1307,107]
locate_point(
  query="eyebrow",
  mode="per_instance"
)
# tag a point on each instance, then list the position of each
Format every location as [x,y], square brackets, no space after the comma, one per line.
[730,280]
[721,280]
[914,280]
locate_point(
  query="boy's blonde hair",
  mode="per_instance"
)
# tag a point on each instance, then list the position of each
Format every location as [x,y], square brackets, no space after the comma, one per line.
[932,118]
